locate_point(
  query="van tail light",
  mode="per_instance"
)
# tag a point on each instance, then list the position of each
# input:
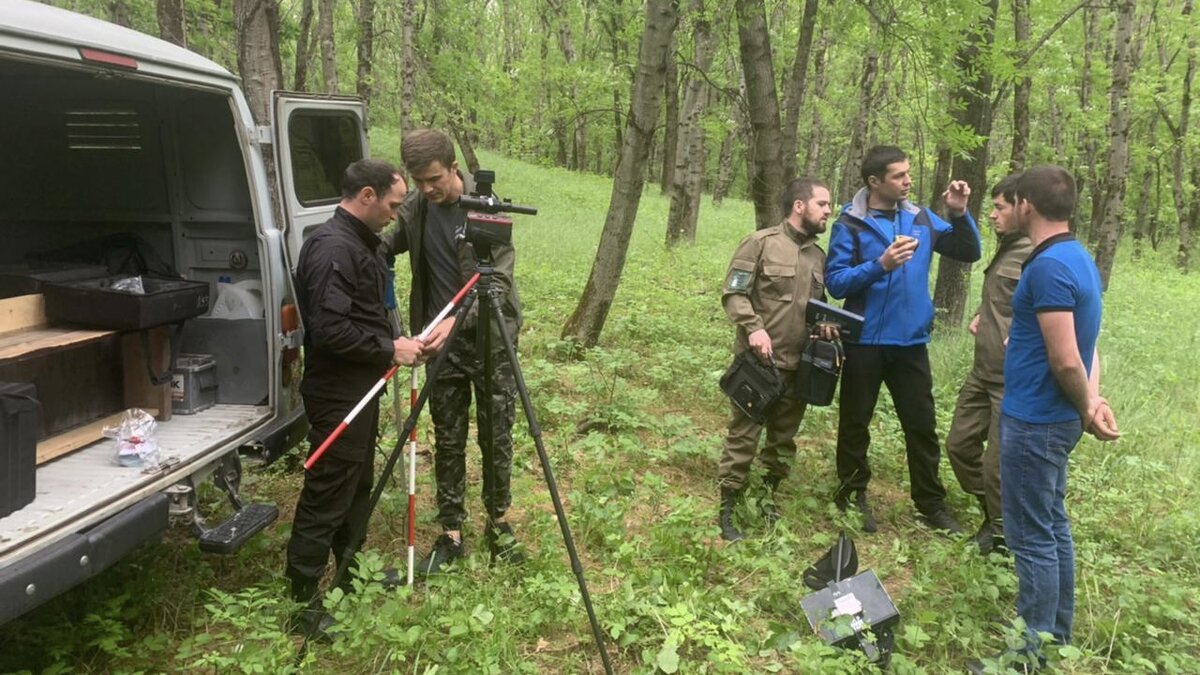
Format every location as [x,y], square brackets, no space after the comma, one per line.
[107,58]
[289,322]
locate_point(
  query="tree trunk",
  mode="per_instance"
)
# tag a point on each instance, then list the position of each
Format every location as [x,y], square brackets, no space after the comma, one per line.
[589,316]
[766,184]
[1021,90]
[725,165]
[118,13]
[688,173]
[325,9]
[1178,150]
[303,46]
[1086,223]
[257,24]
[1125,55]
[793,93]
[463,136]
[364,82]
[171,22]
[813,153]
[671,131]
[858,135]
[408,64]
[973,111]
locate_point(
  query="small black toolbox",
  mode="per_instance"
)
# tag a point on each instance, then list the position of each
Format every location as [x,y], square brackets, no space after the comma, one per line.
[19,412]
[95,303]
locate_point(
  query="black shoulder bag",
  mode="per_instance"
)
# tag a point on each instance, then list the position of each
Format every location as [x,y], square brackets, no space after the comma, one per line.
[751,386]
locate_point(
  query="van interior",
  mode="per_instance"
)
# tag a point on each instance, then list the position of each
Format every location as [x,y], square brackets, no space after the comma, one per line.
[109,176]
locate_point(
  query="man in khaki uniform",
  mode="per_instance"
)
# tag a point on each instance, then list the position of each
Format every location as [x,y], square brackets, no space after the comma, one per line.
[977,413]
[773,274]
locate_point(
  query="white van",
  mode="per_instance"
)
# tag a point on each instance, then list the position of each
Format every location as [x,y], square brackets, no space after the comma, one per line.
[119,150]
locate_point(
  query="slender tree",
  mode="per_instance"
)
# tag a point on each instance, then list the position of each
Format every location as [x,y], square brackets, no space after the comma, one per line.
[364,82]
[762,103]
[796,87]
[325,38]
[687,179]
[972,111]
[1179,134]
[588,319]
[303,46]
[171,21]
[1126,51]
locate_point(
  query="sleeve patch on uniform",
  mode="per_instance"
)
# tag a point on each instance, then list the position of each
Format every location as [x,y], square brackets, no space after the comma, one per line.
[739,280]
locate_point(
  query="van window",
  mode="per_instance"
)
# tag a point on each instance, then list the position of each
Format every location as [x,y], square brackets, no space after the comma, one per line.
[323,144]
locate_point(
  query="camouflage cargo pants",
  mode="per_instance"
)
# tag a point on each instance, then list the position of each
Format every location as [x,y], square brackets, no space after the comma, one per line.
[450,404]
[973,443]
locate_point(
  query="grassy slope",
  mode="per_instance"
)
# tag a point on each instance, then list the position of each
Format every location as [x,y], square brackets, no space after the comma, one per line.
[641,497]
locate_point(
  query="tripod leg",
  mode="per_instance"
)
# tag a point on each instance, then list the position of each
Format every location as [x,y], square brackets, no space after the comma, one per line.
[551,486]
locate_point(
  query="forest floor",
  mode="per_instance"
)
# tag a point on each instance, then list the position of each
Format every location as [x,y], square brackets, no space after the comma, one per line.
[641,499]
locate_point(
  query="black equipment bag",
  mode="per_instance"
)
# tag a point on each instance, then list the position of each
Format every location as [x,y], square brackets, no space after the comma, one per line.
[751,386]
[20,414]
[820,367]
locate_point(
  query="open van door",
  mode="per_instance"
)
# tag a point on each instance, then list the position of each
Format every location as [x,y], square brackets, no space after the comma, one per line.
[316,138]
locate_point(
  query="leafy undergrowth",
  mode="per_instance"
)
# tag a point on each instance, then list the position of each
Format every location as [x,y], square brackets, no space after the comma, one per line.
[633,429]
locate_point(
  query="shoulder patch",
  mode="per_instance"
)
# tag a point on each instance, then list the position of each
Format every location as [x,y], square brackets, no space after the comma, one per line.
[739,280]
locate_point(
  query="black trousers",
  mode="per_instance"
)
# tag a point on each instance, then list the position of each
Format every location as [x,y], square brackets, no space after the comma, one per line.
[905,371]
[333,504]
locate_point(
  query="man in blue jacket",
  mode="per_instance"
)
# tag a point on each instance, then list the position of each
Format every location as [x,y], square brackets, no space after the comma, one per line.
[880,252]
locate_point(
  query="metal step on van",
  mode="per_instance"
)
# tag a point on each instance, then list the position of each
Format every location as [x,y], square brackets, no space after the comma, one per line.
[124,157]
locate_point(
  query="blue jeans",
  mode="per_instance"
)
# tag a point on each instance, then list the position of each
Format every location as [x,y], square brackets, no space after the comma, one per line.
[1033,483]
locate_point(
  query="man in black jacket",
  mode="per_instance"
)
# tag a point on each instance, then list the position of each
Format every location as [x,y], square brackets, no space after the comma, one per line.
[349,343]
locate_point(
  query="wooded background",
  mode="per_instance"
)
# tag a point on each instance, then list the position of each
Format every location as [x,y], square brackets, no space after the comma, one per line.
[699,96]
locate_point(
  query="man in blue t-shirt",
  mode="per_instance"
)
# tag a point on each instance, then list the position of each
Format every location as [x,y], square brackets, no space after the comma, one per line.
[1051,396]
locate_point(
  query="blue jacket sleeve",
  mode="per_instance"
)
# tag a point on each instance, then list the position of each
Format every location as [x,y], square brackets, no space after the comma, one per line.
[842,276]
[958,239]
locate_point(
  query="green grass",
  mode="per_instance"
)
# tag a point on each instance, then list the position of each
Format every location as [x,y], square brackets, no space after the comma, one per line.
[641,497]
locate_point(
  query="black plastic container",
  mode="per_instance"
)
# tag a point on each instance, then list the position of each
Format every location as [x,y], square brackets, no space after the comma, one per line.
[26,279]
[95,303]
[19,411]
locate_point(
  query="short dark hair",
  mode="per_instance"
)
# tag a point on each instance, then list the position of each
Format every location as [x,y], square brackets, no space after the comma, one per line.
[1050,189]
[373,173]
[800,189]
[423,147]
[878,159]
[1007,188]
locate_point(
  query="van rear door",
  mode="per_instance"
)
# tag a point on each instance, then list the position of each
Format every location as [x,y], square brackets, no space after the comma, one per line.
[316,138]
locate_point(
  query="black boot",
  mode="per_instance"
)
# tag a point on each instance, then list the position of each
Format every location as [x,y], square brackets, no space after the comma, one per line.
[842,501]
[311,620]
[729,499]
[985,537]
[768,506]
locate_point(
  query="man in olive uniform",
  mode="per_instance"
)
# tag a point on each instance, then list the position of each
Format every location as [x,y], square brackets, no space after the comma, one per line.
[773,274]
[977,413]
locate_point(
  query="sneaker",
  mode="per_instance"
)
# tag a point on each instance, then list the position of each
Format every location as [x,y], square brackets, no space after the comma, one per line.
[445,552]
[940,520]
[503,544]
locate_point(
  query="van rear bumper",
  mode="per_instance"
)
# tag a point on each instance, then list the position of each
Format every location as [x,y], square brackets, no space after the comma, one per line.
[69,562]
[280,436]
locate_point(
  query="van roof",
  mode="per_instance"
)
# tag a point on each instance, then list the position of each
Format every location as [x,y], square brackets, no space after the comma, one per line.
[46,24]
